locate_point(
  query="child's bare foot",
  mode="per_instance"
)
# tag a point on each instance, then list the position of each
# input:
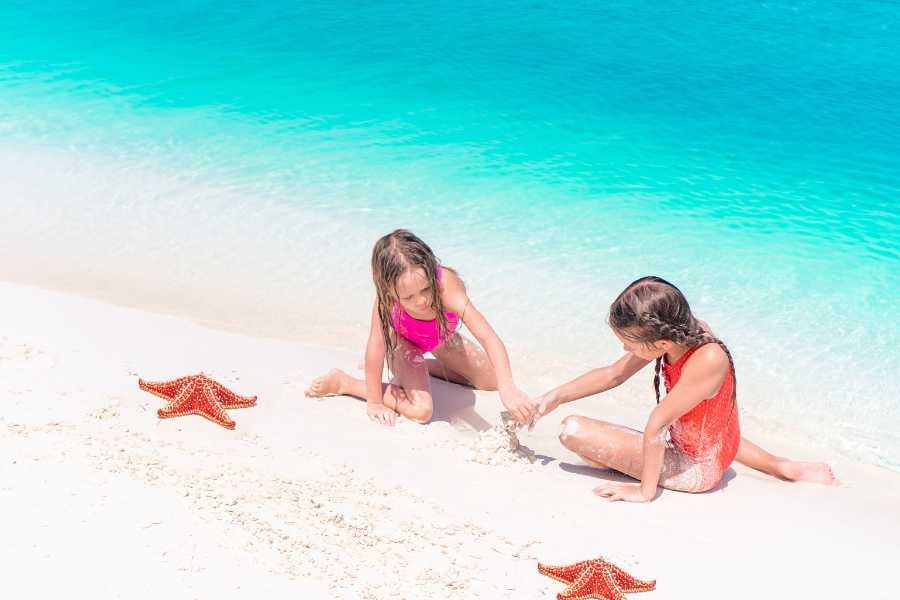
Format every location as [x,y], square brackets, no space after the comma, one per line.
[807,471]
[330,384]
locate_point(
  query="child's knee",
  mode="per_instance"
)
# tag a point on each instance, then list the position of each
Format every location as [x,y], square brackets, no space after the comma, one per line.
[415,405]
[570,429]
[421,413]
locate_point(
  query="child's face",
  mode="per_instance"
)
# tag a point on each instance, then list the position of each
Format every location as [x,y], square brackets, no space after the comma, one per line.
[414,292]
[642,350]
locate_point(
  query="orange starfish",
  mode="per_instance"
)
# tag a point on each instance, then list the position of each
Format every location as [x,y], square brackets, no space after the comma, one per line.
[197,395]
[595,578]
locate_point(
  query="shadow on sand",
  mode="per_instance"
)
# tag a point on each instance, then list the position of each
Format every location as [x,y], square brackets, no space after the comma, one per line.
[613,475]
[455,404]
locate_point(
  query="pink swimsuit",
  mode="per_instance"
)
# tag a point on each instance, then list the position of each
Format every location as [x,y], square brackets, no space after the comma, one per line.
[424,335]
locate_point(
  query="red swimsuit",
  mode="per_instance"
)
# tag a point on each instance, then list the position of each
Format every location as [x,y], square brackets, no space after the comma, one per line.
[708,435]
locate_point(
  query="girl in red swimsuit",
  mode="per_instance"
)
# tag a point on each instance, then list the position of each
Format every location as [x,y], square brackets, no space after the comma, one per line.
[693,434]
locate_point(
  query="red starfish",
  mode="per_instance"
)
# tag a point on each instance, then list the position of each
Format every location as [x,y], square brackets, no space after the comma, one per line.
[198,395]
[595,578]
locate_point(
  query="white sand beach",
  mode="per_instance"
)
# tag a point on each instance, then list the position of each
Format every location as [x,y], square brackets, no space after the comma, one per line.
[308,499]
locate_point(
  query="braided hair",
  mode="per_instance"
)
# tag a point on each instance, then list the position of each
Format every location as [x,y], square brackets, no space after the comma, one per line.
[652,309]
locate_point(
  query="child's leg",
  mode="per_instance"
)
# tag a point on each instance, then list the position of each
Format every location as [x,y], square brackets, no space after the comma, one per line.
[410,395]
[462,361]
[756,458]
[440,370]
[604,445]
[620,448]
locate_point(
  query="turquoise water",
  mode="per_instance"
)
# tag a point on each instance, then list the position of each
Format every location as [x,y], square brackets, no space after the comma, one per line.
[248,156]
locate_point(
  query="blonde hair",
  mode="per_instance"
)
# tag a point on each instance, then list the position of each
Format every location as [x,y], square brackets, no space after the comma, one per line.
[393,255]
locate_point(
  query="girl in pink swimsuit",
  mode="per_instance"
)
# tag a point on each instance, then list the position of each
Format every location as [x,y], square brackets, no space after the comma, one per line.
[693,434]
[418,308]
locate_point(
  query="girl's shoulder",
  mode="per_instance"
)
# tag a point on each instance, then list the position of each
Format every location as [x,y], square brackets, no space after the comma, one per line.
[712,355]
[453,290]
[704,372]
[708,361]
[450,280]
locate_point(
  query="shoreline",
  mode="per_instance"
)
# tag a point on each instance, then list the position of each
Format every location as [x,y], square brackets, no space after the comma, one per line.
[308,496]
[631,399]
[296,271]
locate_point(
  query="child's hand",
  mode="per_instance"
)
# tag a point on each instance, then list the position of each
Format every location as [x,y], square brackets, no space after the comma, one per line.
[629,492]
[380,413]
[546,403]
[518,404]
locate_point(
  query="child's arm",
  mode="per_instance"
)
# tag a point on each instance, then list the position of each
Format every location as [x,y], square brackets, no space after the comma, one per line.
[592,382]
[375,351]
[701,378]
[515,400]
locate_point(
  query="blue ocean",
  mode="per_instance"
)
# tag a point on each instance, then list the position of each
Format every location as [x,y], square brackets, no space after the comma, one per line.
[235,161]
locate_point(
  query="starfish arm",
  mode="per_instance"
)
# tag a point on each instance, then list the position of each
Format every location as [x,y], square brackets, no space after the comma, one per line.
[197,398]
[628,583]
[214,411]
[229,399]
[167,390]
[564,573]
[594,582]
[609,583]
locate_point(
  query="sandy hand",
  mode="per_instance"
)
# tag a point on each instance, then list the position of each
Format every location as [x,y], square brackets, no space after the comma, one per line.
[519,405]
[545,404]
[379,413]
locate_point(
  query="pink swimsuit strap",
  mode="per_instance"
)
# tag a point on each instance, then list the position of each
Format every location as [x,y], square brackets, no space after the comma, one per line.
[423,334]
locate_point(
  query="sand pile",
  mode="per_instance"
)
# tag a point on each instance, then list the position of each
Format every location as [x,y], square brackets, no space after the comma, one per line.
[500,445]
